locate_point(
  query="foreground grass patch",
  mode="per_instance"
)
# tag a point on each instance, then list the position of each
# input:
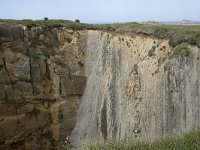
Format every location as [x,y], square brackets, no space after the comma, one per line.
[187,141]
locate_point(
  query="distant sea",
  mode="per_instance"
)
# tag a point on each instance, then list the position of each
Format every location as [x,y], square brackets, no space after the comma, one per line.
[177,22]
[160,22]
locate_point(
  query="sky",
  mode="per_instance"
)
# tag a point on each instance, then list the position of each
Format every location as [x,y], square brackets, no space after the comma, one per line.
[102,11]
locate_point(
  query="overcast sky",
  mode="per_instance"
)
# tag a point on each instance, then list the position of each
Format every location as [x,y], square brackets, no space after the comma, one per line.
[101,11]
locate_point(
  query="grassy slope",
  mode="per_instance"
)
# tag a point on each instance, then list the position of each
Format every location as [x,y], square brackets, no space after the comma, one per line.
[176,33]
[187,141]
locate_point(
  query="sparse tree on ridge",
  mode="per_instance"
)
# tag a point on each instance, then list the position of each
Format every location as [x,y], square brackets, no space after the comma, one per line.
[46,18]
[77,21]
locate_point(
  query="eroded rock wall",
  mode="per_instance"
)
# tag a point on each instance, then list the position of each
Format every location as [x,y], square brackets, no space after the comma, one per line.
[128,87]
[137,87]
[41,82]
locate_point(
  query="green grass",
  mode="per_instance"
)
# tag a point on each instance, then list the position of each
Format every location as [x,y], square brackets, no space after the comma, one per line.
[187,141]
[177,34]
[51,23]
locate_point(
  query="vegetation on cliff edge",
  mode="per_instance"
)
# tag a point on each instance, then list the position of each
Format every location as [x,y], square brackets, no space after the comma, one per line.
[187,141]
[177,34]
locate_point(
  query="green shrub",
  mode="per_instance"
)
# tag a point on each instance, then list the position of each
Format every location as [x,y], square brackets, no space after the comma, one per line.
[182,50]
[46,18]
[31,24]
[160,31]
[189,37]
[197,38]
[77,21]
[57,25]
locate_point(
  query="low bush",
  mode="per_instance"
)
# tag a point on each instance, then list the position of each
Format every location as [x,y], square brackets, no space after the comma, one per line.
[182,50]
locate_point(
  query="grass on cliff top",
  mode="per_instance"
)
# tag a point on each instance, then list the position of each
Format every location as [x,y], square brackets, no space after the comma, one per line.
[176,33]
[45,23]
[187,141]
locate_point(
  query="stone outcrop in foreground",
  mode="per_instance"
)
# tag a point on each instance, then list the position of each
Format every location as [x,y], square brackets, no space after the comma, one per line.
[41,82]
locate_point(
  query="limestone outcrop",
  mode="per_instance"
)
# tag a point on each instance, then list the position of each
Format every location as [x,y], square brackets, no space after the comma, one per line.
[41,81]
[138,87]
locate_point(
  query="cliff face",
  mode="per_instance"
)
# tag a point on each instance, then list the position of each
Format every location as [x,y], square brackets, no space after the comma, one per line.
[128,87]
[137,87]
[41,81]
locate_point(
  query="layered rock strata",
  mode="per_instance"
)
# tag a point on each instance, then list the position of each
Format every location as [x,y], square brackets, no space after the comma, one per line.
[41,81]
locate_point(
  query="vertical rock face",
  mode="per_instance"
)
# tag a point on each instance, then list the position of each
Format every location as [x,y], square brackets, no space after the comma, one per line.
[41,81]
[129,87]
[137,87]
